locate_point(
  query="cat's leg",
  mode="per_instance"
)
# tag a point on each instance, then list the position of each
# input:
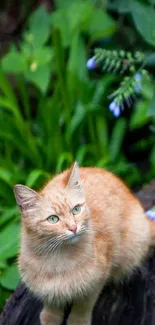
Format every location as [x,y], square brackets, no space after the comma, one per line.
[81,313]
[51,316]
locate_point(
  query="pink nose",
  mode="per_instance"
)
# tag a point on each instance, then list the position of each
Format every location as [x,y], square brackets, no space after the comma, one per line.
[73,228]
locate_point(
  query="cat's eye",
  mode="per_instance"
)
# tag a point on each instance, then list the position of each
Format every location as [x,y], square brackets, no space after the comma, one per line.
[53,219]
[76,209]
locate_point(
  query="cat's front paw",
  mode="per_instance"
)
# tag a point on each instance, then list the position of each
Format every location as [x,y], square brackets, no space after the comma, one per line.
[49,318]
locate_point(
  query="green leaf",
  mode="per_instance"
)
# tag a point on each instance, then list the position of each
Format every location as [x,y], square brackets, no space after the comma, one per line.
[152,158]
[60,22]
[77,119]
[10,277]
[120,5]
[144,19]
[34,176]
[14,62]
[42,55]
[102,132]
[65,160]
[6,103]
[6,176]
[83,152]
[3,265]
[40,77]
[140,114]
[39,26]
[76,69]
[79,15]
[117,139]
[147,88]
[101,25]
[9,241]
[151,107]
[8,214]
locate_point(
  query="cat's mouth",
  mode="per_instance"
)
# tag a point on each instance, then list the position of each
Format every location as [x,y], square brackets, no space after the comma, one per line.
[74,238]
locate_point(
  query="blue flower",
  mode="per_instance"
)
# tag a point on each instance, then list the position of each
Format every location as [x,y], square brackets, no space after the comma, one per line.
[115,109]
[138,78]
[91,64]
[151,214]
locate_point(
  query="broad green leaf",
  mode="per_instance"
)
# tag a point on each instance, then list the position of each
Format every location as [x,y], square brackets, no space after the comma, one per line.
[42,55]
[14,62]
[144,20]
[9,241]
[40,77]
[117,139]
[60,22]
[147,88]
[101,25]
[10,277]
[79,15]
[39,27]
[120,5]
[140,116]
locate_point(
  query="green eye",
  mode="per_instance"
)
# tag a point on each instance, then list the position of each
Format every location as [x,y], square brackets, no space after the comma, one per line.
[76,209]
[53,219]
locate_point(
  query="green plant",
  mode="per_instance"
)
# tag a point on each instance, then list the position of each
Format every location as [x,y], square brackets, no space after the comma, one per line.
[53,111]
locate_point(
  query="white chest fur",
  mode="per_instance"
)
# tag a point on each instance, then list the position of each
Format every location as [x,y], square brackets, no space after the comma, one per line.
[63,277]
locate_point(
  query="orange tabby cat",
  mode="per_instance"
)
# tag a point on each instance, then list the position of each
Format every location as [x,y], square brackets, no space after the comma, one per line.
[82,229]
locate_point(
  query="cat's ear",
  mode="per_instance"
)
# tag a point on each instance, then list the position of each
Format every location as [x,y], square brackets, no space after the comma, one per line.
[26,198]
[74,182]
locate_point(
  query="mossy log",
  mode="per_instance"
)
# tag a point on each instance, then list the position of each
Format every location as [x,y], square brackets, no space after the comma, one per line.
[132,302]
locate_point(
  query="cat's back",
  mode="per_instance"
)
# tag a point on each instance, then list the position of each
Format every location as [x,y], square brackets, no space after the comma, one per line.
[96,182]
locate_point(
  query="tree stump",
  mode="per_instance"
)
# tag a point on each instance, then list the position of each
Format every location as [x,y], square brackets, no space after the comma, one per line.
[131,302]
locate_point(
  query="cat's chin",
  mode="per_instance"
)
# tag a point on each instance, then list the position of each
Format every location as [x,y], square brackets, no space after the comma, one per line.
[73,238]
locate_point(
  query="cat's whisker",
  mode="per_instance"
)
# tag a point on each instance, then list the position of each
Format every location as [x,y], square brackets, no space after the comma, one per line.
[47,246]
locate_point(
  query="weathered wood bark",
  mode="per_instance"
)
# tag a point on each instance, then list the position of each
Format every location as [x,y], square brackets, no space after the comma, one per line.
[132,302]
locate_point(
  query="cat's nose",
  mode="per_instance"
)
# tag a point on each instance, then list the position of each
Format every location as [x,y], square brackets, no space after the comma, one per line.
[73,228]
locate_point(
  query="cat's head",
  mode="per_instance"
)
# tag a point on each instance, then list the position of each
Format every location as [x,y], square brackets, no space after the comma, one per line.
[57,213]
